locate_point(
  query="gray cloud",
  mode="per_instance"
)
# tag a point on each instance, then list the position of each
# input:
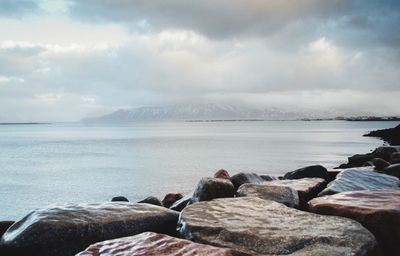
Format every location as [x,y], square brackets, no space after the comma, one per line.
[17,8]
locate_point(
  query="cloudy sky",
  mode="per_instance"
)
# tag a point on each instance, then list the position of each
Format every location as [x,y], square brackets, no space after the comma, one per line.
[61,60]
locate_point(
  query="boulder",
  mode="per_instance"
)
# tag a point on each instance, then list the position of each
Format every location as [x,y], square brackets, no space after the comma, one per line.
[307,188]
[4,225]
[379,163]
[360,159]
[171,198]
[395,158]
[222,174]
[265,227]
[149,243]
[210,188]
[119,199]
[181,204]
[378,211]
[66,230]
[245,177]
[385,152]
[354,179]
[314,171]
[280,194]
[393,170]
[151,200]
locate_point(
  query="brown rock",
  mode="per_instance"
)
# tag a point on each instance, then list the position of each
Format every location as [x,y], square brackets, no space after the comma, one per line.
[244,178]
[66,230]
[171,198]
[265,227]
[151,200]
[210,188]
[307,188]
[379,163]
[222,174]
[378,211]
[149,243]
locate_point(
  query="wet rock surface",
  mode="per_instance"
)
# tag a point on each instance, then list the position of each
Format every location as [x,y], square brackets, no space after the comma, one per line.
[170,198]
[210,188]
[181,203]
[4,225]
[313,171]
[66,230]
[265,227]
[244,178]
[281,194]
[307,188]
[155,244]
[378,211]
[360,179]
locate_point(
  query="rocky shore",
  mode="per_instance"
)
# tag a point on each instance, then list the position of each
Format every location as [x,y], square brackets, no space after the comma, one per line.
[351,210]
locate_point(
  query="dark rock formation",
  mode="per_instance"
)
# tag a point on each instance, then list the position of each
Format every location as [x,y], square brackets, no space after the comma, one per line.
[378,211]
[181,203]
[222,174]
[360,179]
[151,200]
[66,230]
[119,199]
[393,170]
[245,177]
[395,158]
[171,198]
[314,171]
[149,243]
[379,163]
[4,225]
[265,227]
[210,188]
[391,135]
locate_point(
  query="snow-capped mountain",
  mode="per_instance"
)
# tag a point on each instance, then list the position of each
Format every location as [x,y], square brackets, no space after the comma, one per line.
[195,112]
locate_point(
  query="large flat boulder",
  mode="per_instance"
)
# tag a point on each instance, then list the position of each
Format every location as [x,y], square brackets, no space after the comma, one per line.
[378,211]
[66,230]
[150,243]
[307,188]
[268,228]
[285,195]
[210,188]
[358,179]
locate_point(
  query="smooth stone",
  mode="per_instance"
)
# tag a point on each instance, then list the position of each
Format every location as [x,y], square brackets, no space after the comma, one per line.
[285,195]
[360,159]
[222,174]
[313,171]
[244,178]
[119,199]
[385,152]
[379,163]
[265,227]
[378,211]
[171,198]
[393,170]
[66,230]
[307,188]
[359,179]
[151,200]
[181,203]
[210,188]
[394,157]
[149,243]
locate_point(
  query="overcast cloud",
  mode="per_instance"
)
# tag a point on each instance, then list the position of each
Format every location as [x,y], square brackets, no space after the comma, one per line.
[64,60]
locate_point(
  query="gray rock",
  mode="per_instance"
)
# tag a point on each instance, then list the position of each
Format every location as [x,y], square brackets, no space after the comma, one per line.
[265,227]
[210,188]
[313,171]
[284,195]
[244,178]
[393,170]
[181,203]
[360,179]
[66,230]
[150,243]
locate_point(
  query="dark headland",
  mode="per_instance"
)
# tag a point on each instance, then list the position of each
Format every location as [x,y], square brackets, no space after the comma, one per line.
[352,210]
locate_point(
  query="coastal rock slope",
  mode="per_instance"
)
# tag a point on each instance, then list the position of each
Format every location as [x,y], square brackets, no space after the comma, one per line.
[264,227]
[70,229]
[378,211]
[149,243]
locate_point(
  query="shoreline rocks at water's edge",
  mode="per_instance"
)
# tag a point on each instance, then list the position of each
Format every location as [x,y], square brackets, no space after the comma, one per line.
[241,214]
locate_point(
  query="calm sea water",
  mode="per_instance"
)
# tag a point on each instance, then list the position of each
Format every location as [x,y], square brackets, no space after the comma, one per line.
[72,163]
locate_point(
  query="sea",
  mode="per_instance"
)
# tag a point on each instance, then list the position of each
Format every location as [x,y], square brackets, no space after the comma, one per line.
[60,163]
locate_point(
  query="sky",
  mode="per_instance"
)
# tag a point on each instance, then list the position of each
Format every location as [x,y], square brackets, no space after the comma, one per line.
[62,60]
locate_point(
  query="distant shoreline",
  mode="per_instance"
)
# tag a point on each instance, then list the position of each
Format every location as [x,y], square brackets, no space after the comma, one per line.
[22,123]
